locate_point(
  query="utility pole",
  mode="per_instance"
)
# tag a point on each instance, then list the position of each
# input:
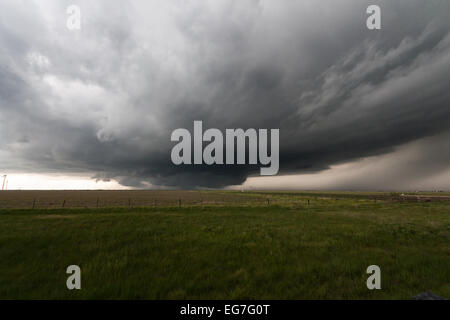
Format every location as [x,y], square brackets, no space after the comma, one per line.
[4,179]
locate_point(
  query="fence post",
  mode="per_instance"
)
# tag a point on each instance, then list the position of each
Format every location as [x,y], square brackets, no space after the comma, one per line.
[34,203]
[179,203]
[268,201]
[97,201]
[129,202]
[64,203]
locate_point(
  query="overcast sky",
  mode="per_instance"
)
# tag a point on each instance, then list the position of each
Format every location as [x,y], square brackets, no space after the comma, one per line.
[356,109]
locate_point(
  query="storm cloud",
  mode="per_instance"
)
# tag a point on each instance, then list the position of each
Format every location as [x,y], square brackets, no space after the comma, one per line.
[104,99]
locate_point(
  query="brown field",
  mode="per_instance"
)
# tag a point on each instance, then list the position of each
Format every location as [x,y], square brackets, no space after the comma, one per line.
[150,198]
[115,198]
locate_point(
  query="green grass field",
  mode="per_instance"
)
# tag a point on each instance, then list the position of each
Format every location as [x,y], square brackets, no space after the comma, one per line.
[287,250]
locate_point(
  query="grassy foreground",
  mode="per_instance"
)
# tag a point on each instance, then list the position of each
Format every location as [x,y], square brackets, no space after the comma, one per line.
[283,251]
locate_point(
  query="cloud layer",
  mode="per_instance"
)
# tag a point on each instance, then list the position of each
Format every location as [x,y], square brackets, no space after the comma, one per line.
[106,98]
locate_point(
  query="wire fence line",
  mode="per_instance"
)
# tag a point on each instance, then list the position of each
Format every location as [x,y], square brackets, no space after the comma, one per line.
[105,203]
[98,199]
[105,199]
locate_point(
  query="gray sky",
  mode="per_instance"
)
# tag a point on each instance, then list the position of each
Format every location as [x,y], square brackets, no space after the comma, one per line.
[356,108]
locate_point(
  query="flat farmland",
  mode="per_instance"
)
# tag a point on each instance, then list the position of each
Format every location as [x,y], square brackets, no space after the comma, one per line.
[100,199]
[222,245]
[151,198]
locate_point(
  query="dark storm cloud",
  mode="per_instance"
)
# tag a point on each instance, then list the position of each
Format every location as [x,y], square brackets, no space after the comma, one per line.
[106,98]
